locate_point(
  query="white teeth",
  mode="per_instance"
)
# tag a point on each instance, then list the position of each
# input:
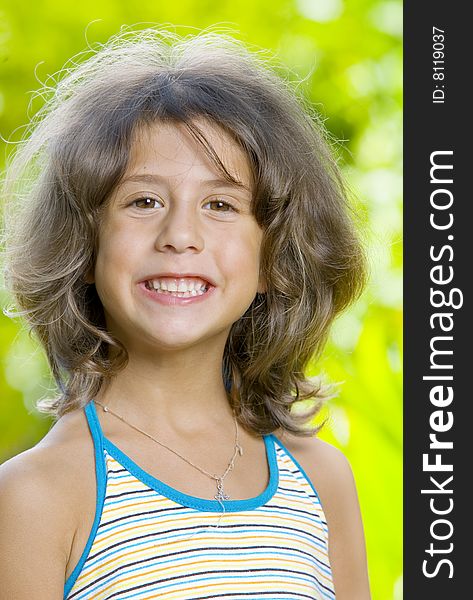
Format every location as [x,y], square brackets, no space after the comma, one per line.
[181,287]
[182,294]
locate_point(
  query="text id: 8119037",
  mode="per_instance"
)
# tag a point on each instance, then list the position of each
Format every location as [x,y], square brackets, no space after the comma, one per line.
[438,65]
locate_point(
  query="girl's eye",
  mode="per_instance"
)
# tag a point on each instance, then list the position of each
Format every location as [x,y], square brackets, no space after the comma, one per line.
[219,206]
[146,203]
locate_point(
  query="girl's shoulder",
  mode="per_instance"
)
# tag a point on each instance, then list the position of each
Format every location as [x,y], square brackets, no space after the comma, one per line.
[58,467]
[329,472]
[53,461]
[62,453]
[54,469]
[324,464]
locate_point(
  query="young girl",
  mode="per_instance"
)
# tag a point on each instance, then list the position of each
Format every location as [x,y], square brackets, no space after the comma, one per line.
[180,244]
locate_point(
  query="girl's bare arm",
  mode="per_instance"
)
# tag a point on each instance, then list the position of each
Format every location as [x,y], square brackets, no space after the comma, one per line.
[34,522]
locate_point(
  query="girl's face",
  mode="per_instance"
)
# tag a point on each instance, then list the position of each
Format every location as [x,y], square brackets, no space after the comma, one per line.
[179,250]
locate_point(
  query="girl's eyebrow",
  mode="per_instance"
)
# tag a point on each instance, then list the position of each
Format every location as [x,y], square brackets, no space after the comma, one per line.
[155,178]
[210,183]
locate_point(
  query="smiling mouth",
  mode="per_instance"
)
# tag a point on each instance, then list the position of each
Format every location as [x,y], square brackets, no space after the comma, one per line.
[185,287]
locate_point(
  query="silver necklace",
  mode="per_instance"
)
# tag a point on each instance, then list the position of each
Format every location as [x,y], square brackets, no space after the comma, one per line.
[220,495]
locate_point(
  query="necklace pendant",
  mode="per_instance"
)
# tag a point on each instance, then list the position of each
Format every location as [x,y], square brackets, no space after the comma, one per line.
[221,495]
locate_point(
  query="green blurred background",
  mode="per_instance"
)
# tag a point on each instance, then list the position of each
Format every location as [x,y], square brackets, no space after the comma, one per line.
[348,53]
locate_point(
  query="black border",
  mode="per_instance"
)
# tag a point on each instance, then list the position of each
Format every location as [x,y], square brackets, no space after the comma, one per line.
[430,127]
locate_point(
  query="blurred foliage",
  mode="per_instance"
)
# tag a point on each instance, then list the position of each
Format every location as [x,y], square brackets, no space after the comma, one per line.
[348,55]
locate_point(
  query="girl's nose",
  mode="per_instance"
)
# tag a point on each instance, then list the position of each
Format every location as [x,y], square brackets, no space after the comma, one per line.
[180,232]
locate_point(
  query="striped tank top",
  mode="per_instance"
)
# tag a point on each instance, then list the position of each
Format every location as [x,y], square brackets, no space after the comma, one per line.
[149,540]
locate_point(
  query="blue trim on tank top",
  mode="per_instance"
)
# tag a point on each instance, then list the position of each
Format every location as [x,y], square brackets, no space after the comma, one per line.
[299,466]
[101,479]
[200,504]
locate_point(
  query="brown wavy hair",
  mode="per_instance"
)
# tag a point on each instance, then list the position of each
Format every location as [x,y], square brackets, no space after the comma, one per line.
[76,152]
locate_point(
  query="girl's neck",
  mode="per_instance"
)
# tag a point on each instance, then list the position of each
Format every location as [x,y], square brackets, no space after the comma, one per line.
[182,392]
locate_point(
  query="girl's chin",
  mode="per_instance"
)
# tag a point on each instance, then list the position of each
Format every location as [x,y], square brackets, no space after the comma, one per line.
[175,341]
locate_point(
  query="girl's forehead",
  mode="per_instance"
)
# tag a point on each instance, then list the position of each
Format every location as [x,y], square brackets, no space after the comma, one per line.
[171,149]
